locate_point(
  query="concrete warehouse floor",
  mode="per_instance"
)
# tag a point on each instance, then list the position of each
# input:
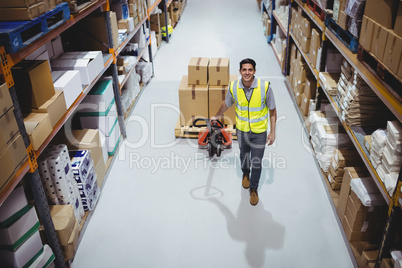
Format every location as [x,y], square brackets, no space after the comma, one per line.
[167,204]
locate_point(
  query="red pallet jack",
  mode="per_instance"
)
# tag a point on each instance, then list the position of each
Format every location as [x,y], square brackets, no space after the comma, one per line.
[214,137]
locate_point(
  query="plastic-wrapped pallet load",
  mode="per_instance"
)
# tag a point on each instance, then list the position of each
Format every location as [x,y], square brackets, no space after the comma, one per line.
[144,69]
[389,165]
[326,138]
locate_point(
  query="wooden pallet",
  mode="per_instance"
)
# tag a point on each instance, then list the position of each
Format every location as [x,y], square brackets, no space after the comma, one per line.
[351,42]
[192,132]
[316,9]
[391,81]
[15,35]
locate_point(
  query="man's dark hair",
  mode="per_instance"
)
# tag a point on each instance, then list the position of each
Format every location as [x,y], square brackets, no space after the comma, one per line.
[248,60]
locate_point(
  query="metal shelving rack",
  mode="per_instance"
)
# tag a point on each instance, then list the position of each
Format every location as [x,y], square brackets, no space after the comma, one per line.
[381,90]
[28,169]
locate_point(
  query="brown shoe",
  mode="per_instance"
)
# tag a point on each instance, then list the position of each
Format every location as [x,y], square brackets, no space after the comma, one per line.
[246,181]
[253,197]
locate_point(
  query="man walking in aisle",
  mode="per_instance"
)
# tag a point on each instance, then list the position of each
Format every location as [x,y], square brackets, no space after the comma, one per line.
[254,103]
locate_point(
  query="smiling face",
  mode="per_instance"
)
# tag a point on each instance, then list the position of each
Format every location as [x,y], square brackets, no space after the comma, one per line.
[247,73]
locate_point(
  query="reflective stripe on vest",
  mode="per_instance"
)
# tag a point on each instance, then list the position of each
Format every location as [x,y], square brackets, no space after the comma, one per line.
[250,115]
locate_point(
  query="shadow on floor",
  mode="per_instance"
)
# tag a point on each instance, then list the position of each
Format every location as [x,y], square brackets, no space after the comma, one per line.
[255,226]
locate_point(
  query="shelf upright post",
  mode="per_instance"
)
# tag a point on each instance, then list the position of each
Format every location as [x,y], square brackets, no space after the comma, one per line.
[36,186]
[287,54]
[148,25]
[394,212]
[115,77]
[166,20]
[271,36]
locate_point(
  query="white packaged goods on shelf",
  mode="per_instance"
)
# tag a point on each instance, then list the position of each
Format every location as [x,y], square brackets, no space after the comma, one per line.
[85,188]
[70,83]
[96,59]
[23,254]
[394,130]
[46,177]
[144,69]
[60,181]
[394,146]
[140,38]
[45,260]
[90,202]
[87,74]
[13,203]
[103,120]
[81,163]
[99,98]
[112,140]
[367,191]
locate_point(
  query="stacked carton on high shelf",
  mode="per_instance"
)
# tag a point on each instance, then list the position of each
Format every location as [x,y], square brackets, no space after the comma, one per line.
[203,90]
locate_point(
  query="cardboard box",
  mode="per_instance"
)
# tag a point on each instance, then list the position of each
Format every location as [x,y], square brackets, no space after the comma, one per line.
[393,52]
[72,243]
[198,71]
[155,22]
[380,35]
[38,127]
[356,212]
[55,107]
[14,202]
[305,102]
[88,73]
[70,83]
[23,254]
[343,20]
[193,101]
[123,24]
[366,33]
[8,128]
[310,87]
[22,13]
[305,44]
[19,3]
[64,220]
[100,119]
[399,74]
[12,233]
[368,257]
[96,26]
[398,21]
[367,142]
[85,139]
[95,60]
[17,151]
[100,170]
[218,71]
[314,45]
[217,95]
[382,12]
[5,99]
[350,173]
[306,28]
[7,167]
[33,84]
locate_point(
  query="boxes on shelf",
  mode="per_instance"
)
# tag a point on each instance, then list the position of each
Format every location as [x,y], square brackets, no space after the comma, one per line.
[22,13]
[193,100]
[342,158]
[70,83]
[55,107]
[33,83]
[398,21]
[155,22]
[218,71]
[315,43]
[99,98]
[366,33]
[70,248]
[217,95]
[387,16]
[380,35]
[393,52]
[95,59]
[8,128]
[87,71]
[38,127]
[198,71]
[96,26]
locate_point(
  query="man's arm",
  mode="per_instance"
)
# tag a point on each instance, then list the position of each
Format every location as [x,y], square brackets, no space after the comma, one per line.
[272,119]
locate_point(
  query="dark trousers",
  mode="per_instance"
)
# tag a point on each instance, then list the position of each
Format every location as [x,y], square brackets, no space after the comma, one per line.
[252,147]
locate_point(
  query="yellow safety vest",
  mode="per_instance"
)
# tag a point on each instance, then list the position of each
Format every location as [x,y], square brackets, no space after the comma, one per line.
[250,115]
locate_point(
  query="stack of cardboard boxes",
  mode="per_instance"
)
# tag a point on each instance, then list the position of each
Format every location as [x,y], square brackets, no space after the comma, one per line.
[20,241]
[342,158]
[12,147]
[302,81]
[137,10]
[25,9]
[203,90]
[266,22]
[363,225]
[381,33]
[176,9]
